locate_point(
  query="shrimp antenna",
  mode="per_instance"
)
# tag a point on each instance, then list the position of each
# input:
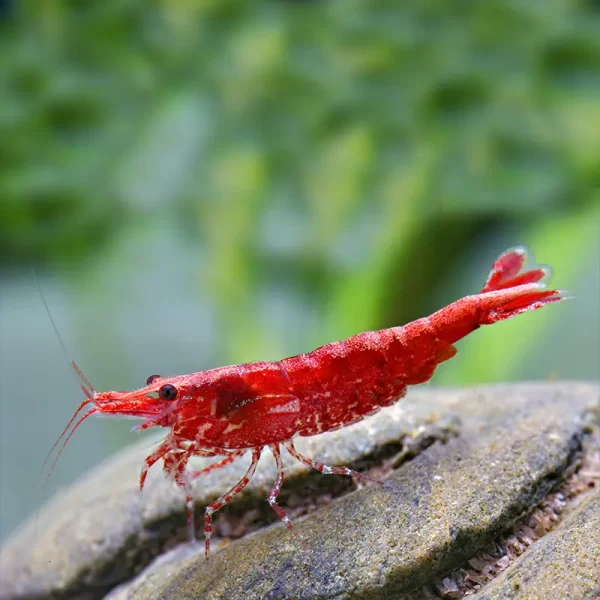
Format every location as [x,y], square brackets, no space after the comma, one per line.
[87,387]
[47,308]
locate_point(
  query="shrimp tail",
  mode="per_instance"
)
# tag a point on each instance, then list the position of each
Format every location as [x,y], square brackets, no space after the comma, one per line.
[506,272]
[510,290]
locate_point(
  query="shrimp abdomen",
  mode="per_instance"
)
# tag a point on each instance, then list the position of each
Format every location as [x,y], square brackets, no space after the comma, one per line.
[342,382]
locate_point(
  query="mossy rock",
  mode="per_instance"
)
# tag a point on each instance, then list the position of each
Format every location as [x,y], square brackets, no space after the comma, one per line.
[463,467]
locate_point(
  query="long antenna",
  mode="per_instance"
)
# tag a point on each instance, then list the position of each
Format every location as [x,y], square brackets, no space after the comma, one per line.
[65,352]
[87,388]
[46,307]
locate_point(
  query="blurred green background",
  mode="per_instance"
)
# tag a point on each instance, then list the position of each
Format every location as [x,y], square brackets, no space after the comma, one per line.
[203,182]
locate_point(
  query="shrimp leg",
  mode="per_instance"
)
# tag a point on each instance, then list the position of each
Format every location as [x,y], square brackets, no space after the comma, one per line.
[175,464]
[165,448]
[272,498]
[227,497]
[184,481]
[228,459]
[327,470]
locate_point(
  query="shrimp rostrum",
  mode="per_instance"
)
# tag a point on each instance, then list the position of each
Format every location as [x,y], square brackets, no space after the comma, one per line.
[236,410]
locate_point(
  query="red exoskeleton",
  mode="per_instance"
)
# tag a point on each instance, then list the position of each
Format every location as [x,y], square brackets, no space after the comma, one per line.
[231,411]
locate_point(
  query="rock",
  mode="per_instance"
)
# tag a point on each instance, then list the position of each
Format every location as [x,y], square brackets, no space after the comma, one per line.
[563,564]
[506,448]
[526,563]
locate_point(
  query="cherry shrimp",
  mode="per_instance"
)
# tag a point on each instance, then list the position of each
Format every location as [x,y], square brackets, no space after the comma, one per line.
[230,411]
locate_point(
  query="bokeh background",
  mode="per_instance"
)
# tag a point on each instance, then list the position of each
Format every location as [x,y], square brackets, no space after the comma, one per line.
[203,182]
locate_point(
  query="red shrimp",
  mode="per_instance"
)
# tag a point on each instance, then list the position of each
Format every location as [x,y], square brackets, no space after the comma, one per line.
[229,411]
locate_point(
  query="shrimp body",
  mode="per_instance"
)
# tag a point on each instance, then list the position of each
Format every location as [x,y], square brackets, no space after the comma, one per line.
[231,410]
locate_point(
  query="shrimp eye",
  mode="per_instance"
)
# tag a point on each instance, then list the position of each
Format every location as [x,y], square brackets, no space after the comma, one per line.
[167,392]
[152,379]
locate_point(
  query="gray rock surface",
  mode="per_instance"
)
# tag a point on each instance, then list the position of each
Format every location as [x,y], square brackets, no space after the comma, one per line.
[563,564]
[506,448]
